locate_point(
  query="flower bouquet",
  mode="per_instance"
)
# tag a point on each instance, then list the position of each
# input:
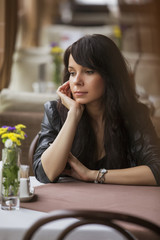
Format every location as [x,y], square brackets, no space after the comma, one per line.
[11,137]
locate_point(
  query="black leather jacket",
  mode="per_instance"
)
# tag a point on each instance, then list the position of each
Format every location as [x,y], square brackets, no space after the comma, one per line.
[145,148]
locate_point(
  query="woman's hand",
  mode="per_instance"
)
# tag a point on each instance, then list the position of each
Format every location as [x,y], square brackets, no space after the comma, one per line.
[78,170]
[65,95]
[65,89]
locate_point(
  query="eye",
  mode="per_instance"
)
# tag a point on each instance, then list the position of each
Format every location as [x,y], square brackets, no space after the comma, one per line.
[90,72]
[72,73]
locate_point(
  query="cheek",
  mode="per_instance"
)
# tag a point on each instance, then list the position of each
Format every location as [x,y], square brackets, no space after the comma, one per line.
[98,85]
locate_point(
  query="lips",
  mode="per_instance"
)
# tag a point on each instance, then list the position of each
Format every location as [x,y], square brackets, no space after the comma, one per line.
[79,93]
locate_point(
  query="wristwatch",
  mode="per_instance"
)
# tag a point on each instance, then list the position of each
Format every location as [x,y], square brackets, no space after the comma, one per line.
[102,171]
[100,176]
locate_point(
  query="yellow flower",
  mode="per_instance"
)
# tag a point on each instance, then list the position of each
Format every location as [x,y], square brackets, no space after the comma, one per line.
[18,142]
[117,31]
[3,130]
[14,134]
[5,135]
[12,137]
[19,126]
[56,50]
[17,135]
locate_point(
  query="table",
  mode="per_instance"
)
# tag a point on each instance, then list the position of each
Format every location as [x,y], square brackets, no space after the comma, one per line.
[142,201]
[13,225]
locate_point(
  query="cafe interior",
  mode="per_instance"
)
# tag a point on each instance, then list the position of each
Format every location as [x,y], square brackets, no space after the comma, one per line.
[29,30]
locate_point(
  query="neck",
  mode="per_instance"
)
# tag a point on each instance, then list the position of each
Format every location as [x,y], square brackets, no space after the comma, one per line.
[95,111]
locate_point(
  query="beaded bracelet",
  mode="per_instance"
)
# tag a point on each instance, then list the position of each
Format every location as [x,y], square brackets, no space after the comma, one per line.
[100,179]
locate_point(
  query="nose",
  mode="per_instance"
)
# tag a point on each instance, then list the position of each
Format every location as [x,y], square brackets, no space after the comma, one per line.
[78,80]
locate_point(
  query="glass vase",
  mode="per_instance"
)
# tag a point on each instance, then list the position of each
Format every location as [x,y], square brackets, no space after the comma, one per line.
[10,199]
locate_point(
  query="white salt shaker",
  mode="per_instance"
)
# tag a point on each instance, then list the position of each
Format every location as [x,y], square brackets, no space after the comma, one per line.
[24,181]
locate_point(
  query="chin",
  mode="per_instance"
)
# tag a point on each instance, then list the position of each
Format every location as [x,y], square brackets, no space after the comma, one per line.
[80,101]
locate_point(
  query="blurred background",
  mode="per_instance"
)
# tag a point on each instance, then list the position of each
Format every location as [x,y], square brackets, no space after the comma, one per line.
[35,33]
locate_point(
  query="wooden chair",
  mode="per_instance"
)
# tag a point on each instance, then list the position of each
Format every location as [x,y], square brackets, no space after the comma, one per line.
[32,149]
[84,217]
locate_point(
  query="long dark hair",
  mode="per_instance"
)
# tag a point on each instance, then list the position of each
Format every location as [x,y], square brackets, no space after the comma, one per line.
[100,53]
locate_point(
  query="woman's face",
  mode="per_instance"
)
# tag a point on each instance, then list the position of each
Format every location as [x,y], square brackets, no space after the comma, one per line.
[87,86]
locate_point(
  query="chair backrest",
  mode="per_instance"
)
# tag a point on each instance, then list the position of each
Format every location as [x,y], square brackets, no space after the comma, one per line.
[84,217]
[32,149]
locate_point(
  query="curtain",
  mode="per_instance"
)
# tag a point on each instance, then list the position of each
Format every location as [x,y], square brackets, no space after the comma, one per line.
[10,31]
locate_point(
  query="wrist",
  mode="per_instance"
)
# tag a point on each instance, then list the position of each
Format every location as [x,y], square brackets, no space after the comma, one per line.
[75,114]
[92,175]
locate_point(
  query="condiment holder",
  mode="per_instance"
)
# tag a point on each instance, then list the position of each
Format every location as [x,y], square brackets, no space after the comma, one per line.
[24,181]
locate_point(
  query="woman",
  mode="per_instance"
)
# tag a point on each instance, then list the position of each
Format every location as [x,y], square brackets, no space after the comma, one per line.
[97,131]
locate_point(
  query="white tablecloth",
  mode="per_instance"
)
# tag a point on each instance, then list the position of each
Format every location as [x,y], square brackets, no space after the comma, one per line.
[13,225]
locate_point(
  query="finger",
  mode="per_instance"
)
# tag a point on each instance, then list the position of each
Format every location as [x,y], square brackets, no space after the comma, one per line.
[64,86]
[65,89]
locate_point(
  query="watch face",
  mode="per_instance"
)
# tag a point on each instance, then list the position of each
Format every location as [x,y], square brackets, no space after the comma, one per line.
[103,170]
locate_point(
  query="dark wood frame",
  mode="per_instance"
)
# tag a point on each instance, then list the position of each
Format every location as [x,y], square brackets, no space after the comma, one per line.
[90,216]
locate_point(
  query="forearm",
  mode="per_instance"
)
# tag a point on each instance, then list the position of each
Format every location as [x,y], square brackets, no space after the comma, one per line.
[55,157]
[140,175]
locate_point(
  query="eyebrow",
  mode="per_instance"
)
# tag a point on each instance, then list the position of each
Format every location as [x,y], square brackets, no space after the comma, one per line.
[70,67]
